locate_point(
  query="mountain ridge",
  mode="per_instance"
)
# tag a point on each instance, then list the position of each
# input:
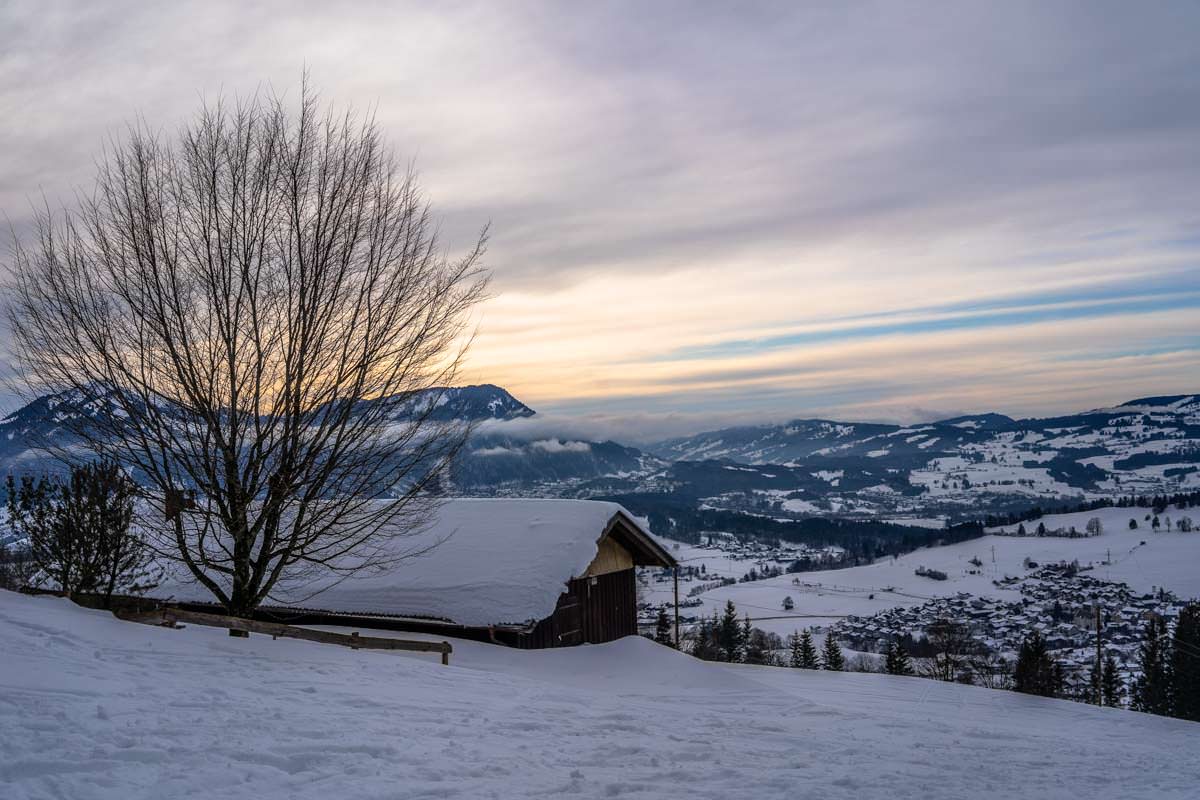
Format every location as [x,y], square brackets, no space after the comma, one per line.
[953,469]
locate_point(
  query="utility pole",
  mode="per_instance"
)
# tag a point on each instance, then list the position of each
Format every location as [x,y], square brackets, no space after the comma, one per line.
[1099,662]
[678,644]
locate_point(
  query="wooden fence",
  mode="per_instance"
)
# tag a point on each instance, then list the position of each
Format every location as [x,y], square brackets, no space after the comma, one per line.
[170,617]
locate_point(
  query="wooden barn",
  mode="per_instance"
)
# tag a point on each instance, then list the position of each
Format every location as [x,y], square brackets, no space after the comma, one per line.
[528,573]
[601,604]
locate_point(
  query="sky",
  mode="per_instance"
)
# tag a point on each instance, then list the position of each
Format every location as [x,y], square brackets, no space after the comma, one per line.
[705,214]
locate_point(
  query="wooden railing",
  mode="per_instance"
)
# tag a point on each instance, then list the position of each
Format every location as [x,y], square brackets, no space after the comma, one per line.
[171,617]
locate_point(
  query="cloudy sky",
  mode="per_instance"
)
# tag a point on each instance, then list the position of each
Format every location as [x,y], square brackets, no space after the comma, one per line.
[706,213]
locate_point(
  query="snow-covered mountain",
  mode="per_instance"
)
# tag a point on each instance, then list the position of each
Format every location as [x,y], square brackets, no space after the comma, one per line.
[953,469]
[471,403]
[983,462]
[1145,418]
[50,419]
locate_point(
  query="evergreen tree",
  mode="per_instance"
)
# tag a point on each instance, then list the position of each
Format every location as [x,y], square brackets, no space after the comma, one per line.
[1094,693]
[729,634]
[896,660]
[1111,689]
[1185,664]
[80,530]
[757,649]
[831,655]
[1037,672]
[794,652]
[808,652]
[1152,689]
[704,640]
[662,628]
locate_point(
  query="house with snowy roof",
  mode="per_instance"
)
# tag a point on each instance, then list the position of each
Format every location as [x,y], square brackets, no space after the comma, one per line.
[529,573]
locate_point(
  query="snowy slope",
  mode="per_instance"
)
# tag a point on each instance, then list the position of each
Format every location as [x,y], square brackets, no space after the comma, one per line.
[1170,560]
[96,708]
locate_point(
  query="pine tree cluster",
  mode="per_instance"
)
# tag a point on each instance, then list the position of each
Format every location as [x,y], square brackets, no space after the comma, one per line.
[1169,661]
[803,653]
[726,638]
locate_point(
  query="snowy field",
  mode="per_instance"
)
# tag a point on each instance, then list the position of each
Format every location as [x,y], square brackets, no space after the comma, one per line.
[96,708]
[718,563]
[1142,558]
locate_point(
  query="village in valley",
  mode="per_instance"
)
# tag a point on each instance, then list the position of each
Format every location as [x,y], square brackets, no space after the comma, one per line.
[1066,606]
[1059,576]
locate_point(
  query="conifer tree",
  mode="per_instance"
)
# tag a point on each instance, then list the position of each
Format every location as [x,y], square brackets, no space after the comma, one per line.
[1037,672]
[896,660]
[1185,664]
[831,655]
[1152,689]
[1094,693]
[80,530]
[755,649]
[729,634]
[794,652]
[808,652]
[662,628]
[704,640]
[1112,691]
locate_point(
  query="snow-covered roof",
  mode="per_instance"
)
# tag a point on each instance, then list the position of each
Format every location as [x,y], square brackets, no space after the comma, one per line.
[490,561]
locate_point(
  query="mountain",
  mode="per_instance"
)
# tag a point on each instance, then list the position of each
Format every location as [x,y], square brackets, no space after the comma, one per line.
[469,403]
[969,464]
[49,420]
[943,471]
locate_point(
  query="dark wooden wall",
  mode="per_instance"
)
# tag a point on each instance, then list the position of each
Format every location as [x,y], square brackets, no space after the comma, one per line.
[597,609]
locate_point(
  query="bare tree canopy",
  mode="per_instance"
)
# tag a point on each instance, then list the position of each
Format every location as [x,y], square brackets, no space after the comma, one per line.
[254,307]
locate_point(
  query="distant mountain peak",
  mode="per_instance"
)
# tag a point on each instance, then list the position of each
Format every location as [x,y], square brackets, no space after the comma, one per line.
[476,402]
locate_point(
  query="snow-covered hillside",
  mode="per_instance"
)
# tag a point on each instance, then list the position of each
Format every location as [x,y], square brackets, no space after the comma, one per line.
[1142,558]
[961,467]
[97,708]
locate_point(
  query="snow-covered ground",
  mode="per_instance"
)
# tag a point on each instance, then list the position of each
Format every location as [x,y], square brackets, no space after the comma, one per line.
[91,707]
[1142,558]
[728,559]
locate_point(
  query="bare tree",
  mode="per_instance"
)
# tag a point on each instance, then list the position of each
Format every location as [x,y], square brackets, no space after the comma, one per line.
[950,649]
[255,314]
